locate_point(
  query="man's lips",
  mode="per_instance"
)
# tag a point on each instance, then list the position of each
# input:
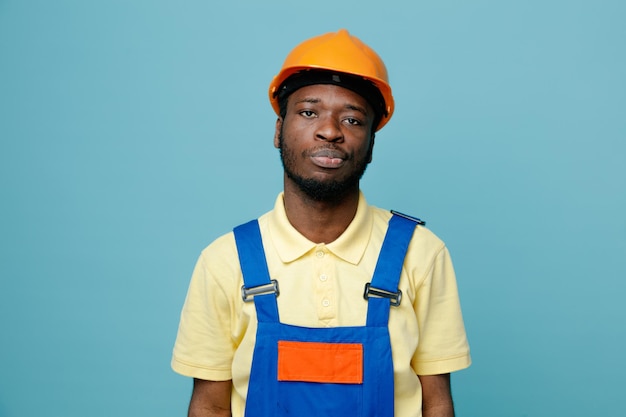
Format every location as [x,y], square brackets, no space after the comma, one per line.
[328,158]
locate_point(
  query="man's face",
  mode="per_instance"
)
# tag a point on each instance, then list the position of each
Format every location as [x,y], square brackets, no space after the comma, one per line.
[325,140]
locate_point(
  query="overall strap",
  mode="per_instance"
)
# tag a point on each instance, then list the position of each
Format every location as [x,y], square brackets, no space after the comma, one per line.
[383,290]
[256,277]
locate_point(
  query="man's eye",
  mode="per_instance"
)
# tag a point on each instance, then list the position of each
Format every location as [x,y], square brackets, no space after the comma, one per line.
[352,121]
[307,113]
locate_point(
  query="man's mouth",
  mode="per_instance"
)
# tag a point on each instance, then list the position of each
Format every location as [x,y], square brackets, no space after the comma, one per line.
[328,158]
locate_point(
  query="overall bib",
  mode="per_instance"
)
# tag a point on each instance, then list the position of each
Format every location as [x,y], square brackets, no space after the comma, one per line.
[317,372]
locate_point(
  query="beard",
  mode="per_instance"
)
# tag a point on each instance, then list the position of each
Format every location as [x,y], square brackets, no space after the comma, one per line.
[323,191]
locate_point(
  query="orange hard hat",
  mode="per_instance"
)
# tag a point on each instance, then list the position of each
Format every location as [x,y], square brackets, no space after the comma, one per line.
[340,52]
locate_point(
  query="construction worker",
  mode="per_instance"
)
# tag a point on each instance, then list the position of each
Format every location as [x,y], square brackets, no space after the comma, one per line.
[324,306]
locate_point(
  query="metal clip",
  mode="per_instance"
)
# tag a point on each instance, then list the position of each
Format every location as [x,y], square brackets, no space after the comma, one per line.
[406,216]
[394,297]
[248,293]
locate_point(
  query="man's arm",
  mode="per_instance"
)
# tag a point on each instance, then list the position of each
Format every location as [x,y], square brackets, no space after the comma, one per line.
[436,396]
[210,399]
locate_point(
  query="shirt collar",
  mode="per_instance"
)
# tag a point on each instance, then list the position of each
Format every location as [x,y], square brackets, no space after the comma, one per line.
[291,245]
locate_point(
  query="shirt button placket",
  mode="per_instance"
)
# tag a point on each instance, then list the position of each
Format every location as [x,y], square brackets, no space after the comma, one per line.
[324,285]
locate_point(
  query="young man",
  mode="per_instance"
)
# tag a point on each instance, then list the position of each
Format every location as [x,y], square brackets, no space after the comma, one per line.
[325,306]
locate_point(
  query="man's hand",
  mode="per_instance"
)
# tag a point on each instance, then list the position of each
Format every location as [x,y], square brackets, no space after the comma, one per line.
[210,399]
[436,396]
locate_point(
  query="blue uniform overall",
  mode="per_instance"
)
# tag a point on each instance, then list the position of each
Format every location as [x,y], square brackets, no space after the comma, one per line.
[316,372]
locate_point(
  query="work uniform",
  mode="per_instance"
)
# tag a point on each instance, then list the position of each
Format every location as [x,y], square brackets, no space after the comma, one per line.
[321,286]
[322,371]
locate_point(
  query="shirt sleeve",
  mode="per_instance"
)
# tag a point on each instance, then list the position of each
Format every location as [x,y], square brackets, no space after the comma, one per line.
[443,345]
[204,346]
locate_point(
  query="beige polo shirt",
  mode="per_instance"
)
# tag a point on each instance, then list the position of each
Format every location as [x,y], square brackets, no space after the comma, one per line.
[321,285]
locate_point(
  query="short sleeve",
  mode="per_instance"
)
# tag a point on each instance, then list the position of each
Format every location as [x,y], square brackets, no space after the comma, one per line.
[443,345]
[204,345]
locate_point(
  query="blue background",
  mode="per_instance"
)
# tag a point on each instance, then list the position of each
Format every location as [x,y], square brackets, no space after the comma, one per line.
[135,132]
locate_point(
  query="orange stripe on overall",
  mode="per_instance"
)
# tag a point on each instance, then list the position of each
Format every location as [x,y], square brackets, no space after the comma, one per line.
[340,363]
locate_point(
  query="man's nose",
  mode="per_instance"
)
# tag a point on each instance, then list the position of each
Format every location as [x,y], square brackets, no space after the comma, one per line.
[329,130]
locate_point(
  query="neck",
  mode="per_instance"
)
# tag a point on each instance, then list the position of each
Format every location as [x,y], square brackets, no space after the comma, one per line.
[320,221]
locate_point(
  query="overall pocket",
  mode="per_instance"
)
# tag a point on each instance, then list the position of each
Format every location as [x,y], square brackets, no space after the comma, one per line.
[320,379]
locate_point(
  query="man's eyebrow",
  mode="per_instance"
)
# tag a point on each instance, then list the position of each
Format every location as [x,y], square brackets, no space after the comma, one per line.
[357,108]
[312,100]
[348,106]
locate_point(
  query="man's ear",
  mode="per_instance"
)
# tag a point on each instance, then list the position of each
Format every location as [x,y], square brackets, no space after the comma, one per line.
[279,126]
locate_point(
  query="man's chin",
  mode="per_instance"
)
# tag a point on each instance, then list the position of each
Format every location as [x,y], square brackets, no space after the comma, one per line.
[324,191]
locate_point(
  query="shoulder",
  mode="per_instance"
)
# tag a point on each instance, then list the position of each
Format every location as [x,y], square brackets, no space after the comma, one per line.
[222,252]
[423,238]
[221,248]
[224,247]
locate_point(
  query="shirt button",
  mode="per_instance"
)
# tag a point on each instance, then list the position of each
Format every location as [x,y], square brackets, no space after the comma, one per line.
[320,254]
[323,277]
[325,302]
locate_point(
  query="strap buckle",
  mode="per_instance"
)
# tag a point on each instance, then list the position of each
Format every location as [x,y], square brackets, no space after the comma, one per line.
[394,297]
[406,216]
[248,293]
